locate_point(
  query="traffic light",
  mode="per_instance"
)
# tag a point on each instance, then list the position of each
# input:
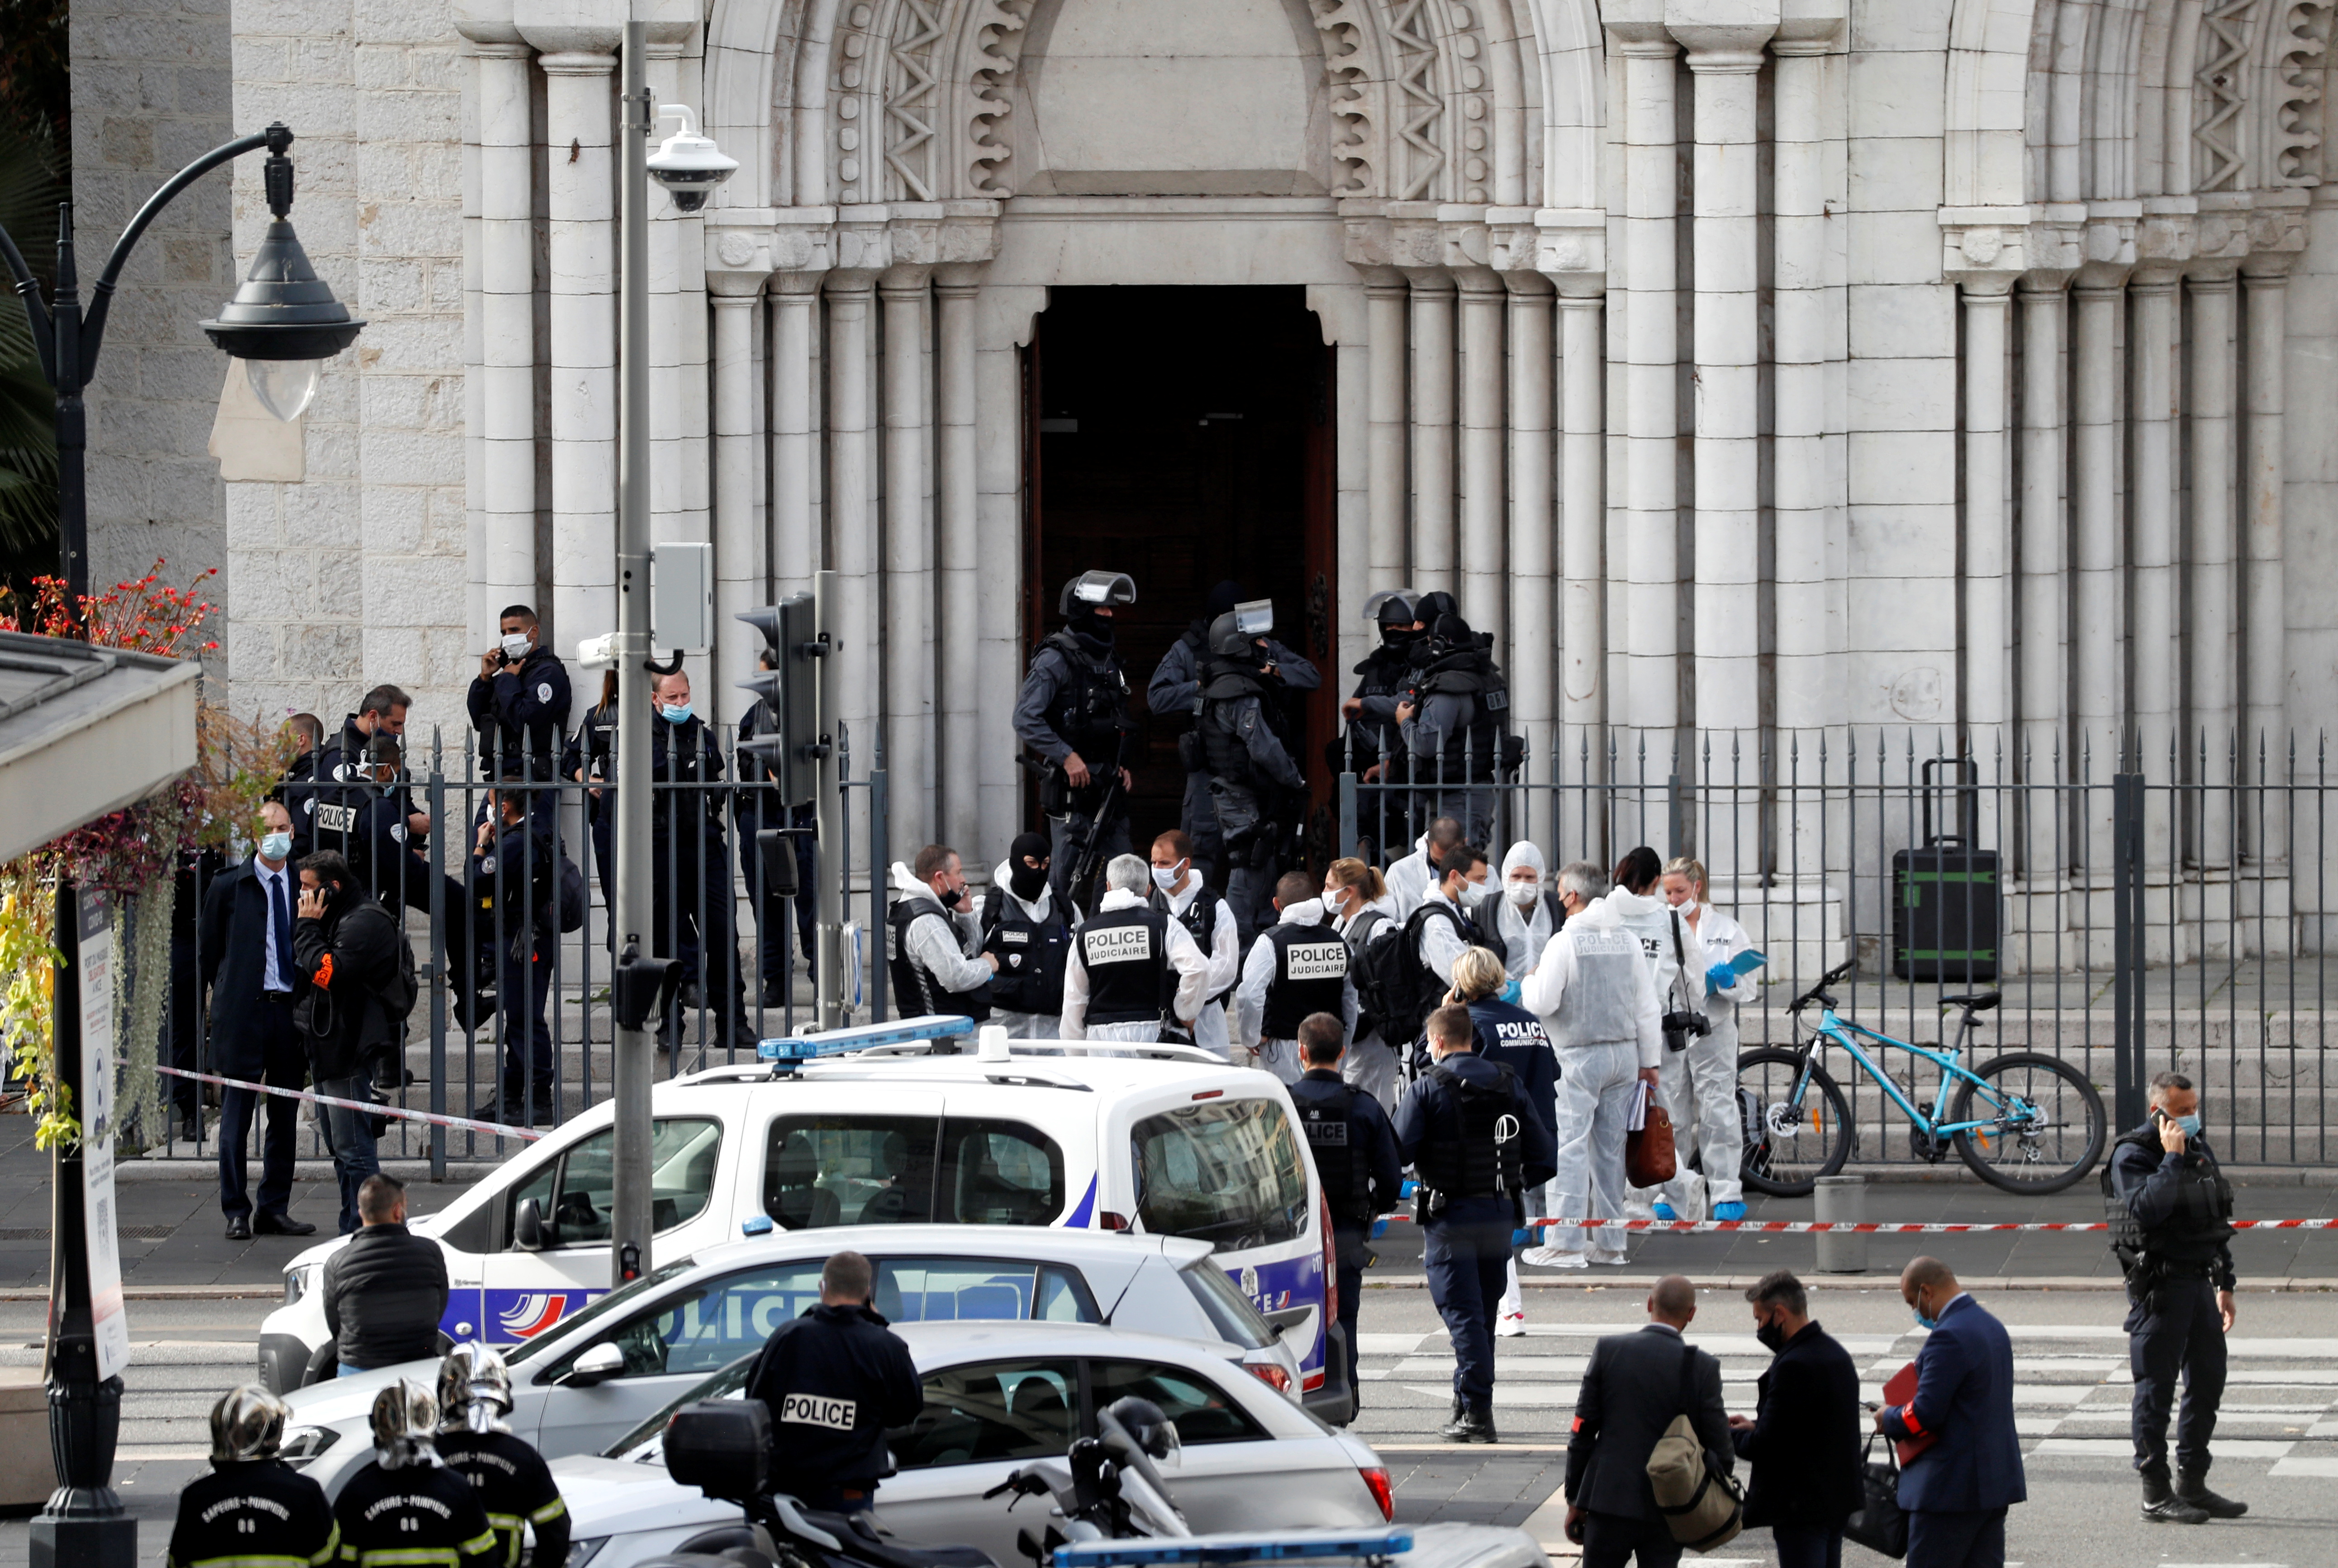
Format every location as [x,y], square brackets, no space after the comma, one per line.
[791,690]
[639,987]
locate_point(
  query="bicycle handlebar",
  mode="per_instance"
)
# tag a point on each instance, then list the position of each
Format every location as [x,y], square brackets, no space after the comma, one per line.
[1818,993]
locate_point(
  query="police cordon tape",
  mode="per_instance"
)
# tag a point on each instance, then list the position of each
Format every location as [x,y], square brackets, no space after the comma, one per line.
[1864,1227]
[370,1107]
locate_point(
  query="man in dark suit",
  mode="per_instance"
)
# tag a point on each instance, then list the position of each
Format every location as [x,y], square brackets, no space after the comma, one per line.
[1804,1440]
[246,951]
[1631,1392]
[1957,1490]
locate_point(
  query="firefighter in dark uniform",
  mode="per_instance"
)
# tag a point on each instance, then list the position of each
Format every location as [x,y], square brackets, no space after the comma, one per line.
[1467,1131]
[404,1508]
[835,1378]
[253,1510]
[690,866]
[1355,1158]
[519,706]
[1373,742]
[1456,723]
[514,1484]
[1247,744]
[2171,1211]
[1072,714]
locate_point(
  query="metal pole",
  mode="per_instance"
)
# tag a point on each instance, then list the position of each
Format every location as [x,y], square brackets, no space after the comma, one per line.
[631,1071]
[442,956]
[2127,947]
[828,802]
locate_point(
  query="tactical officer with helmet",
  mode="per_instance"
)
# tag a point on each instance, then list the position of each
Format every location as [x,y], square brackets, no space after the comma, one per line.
[1466,1130]
[1355,1158]
[514,1484]
[1072,715]
[2171,1224]
[403,1509]
[1245,742]
[1456,723]
[253,1510]
[1374,739]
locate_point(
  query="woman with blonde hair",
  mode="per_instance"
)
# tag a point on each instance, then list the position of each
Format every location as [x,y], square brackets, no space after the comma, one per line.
[1358,902]
[1508,1034]
[1699,1084]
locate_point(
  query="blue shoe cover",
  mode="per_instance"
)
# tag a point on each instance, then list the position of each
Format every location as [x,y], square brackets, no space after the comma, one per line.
[1729,1210]
[1664,1213]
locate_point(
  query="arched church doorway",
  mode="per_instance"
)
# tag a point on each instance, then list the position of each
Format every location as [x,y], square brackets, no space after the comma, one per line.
[1185,437]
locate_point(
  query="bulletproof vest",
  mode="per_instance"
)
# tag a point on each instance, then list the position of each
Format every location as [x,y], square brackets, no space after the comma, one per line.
[1474,752]
[1310,968]
[916,992]
[2200,1224]
[1031,954]
[1201,923]
[1089,701]
[1325,1116]
[1225,681]
[1599,1005]
[1483,1158]
[1125,953]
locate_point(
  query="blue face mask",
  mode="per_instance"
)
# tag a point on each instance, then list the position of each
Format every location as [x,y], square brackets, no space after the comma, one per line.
[277,846]
[1921,1320]
[2190,1124]
[678,715]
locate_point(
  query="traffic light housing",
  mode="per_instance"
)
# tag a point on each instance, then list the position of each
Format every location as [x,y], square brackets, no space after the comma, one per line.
[639,986]
[792,752]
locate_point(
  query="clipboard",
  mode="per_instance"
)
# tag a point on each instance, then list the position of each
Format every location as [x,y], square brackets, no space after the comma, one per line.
[1901,1390]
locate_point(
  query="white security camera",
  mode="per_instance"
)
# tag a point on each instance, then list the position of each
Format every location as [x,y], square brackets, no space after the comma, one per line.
[689,166]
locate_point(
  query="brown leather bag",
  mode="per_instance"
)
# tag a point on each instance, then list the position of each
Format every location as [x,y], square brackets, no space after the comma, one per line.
[1648,1149]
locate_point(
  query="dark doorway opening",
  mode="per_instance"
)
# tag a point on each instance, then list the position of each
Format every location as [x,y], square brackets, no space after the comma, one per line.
[1183,436]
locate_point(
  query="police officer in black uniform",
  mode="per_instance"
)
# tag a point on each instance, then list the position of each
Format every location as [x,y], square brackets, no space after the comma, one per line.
[1373,740]
[514,898]
[1355,1158]
[1072,713]
[1246,743]
[590,758]
[754,810]
[1456,723]
[1298,968]
[690,865]
[1466,1130]
[519,705]
[2171,1211]
[1025,928]
[404,1508]
[835,1378]
[514,1484]
[325,796]
[252,1508]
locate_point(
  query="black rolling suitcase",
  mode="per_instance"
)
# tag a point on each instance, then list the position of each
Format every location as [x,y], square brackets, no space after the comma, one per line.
[1947,906]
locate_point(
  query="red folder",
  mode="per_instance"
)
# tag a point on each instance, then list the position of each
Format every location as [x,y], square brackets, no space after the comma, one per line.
[1901,1390]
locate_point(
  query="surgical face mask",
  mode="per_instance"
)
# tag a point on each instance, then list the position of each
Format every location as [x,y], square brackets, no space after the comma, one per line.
[275,846]
[1916,1310]
[678,713]
[2189,1122]
[1166,877]
[515,645]
[1523,892]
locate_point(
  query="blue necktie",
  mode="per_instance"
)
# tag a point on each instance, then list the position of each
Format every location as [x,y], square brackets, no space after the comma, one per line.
[282,914]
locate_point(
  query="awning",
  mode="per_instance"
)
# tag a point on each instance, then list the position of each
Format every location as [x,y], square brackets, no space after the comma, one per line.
[84,731]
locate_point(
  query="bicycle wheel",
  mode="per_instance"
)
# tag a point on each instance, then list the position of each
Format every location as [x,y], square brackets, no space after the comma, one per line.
[2049,1125]
[1797,1123]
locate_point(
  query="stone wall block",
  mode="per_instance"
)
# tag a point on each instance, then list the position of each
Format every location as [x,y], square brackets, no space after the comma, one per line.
[410,458]
[411,343]
[316,513]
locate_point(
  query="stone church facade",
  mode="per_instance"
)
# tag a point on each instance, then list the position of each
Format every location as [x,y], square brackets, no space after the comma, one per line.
[1786,367]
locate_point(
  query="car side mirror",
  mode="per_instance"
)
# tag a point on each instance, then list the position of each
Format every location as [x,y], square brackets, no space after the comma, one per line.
[527,1226]
[598,1365]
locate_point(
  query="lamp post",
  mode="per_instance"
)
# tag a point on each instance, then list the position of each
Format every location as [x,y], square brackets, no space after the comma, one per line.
[283,323]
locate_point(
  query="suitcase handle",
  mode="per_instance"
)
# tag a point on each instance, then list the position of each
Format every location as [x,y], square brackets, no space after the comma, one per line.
[1967,787]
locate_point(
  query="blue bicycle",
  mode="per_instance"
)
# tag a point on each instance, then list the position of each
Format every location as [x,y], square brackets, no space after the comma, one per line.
[2024,1121]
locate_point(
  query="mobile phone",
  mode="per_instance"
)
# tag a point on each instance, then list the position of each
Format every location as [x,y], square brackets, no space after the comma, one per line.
[1869,1405]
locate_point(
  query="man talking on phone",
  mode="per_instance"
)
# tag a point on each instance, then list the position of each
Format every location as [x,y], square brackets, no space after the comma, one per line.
[835,1378]
[519,705]
[2171,1213]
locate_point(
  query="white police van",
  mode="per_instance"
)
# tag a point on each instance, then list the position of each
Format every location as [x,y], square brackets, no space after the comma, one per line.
[897,1124]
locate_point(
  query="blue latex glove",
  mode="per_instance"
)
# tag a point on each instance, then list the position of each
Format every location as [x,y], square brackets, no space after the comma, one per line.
[1522,1238]
[1380,1229]
[1410,1188]
[1510,992]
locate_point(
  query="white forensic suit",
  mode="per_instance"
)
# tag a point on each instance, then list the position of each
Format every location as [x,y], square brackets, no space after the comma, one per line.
[1371,1064]
[1700,1083]
[1679,974]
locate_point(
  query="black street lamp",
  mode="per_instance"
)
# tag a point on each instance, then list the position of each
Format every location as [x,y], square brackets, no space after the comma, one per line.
[283,324]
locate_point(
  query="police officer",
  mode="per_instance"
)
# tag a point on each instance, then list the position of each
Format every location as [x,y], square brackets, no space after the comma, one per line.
[933,944]
[753,812]
[590,758]
[835,1378]
[1296,970]
[1374,739]
[404,1508]
[253,1510]
[1246,742]
[519,703]
[326,798]
[383,854]
[1456,721]
[1508,1033]
[1467,1130]
[515,896]
[1073,714]
[2171,1213]
[1025,929]
[1180,892]
[691,865]
[1175,692]
[1437,934]
[514,1484]
[1354,1148]
[1133,969]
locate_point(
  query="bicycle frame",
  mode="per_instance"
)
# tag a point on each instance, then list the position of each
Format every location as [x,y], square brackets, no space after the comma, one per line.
[1846,1034]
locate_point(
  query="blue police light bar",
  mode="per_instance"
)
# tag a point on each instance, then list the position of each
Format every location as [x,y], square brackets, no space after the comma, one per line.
[842,1041]
[1280,1547]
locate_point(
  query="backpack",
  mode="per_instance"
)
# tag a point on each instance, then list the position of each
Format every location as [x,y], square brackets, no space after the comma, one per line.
[402,989]
[1408,990]
[1702,1504]
[1378,971]
[576,902]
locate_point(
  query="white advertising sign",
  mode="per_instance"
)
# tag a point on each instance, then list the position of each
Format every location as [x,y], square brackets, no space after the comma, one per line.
[98,1109]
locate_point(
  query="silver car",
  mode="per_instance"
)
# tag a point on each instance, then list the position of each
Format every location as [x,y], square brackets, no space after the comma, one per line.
[1000,1394]
[596,1375]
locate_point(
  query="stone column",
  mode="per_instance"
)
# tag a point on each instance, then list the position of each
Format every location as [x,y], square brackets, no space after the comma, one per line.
[2095,652]
[959,546]
[507,570]
[1385,302]
[1583,515]
[1808,682]
[2209,732]
[739,533]
[1432,429]
[795,541]
[1482,562]
[2264,672]
[906,606]
[1649,699]
[1533,630]
[1988,629]
[581,204]
[852,522]
[2151,294]
[2040,657]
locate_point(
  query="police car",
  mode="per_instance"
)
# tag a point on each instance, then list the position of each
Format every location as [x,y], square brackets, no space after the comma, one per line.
[897,1124]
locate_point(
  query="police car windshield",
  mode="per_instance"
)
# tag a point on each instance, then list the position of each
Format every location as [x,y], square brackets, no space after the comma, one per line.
[650,1436]
[614,1301]
[1226,1171]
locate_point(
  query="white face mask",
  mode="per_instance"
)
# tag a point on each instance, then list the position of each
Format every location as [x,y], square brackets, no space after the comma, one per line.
[515,645]
[1524,894]
[1166,878]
